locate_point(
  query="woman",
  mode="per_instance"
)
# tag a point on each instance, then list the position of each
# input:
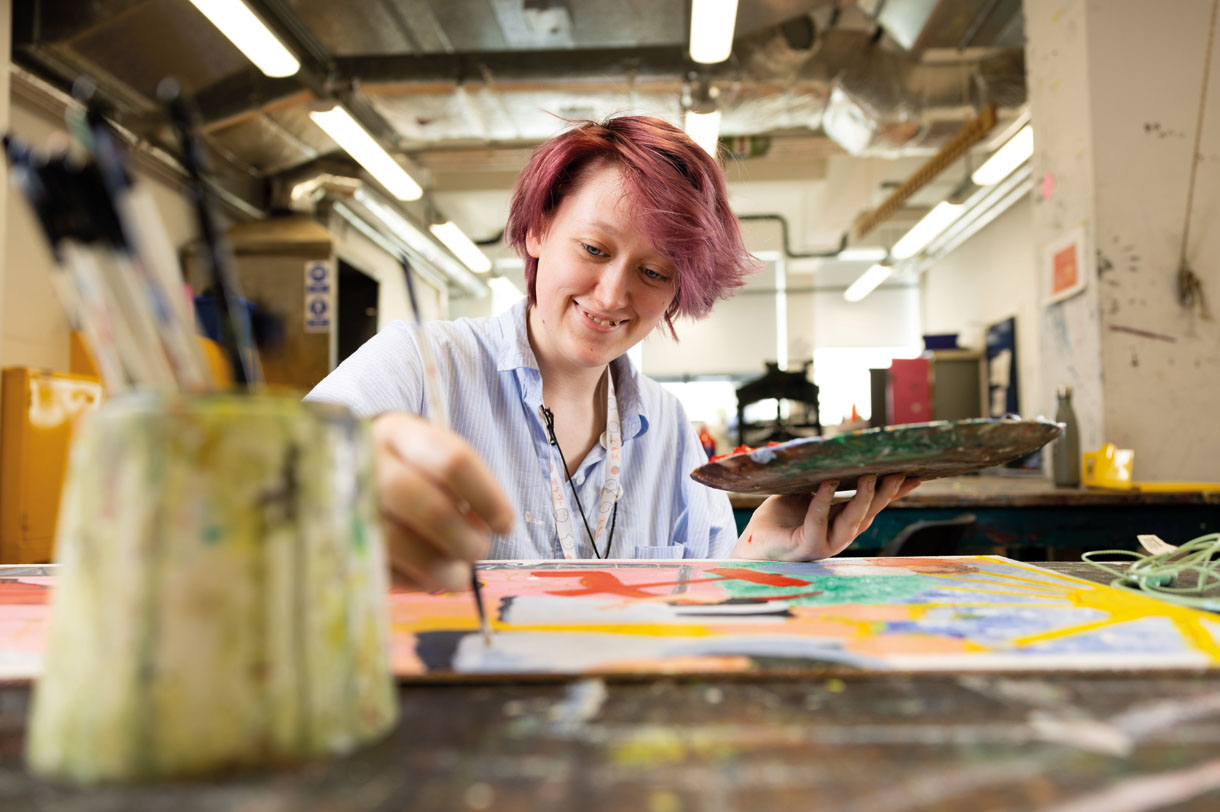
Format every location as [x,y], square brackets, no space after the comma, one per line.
[623,225]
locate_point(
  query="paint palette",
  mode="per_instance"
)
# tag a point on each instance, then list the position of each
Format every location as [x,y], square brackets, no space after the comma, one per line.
[924,450]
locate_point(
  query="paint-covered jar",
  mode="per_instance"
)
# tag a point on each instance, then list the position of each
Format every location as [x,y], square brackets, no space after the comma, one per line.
[222,595]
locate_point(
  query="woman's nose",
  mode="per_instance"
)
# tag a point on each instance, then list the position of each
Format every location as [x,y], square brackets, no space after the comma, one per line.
[612,286]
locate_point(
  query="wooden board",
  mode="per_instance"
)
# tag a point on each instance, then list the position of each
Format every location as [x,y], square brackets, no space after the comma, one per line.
[924,450]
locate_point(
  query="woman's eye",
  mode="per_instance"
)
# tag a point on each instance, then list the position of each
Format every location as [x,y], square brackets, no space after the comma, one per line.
[592,250]
[654,275]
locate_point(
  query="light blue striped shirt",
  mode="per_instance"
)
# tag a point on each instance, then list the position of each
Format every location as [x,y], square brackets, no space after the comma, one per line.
[490,379]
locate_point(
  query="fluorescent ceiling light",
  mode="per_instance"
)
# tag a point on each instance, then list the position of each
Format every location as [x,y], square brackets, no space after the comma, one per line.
[347,133]
[703,128]
[711,30]
[847,123]
[868,280]
[1004,160]
[862,253]
[418,241]
[927,229]
[252,37]
[461,246]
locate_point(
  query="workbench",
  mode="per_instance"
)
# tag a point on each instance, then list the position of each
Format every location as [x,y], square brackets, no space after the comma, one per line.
[869,742]
[1030,519]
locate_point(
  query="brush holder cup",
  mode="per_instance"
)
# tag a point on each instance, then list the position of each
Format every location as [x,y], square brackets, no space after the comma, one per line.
[222,596]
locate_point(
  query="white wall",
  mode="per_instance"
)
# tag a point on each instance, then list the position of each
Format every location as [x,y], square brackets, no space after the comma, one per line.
[987,279]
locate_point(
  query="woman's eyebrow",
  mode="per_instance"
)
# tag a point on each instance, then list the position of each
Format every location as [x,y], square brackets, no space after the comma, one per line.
[606,227]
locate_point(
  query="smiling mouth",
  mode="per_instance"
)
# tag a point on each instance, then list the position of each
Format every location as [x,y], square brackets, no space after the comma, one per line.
[600,322]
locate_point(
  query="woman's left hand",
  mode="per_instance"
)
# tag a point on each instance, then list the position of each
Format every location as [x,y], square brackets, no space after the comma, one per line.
[804,527]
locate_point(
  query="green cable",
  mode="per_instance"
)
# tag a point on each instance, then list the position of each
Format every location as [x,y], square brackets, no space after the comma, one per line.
[1156,575]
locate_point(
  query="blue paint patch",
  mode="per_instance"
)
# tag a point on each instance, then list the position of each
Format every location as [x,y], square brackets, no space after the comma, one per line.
[762,455]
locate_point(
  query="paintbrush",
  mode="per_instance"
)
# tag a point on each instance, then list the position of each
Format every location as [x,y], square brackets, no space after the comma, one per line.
[439,414]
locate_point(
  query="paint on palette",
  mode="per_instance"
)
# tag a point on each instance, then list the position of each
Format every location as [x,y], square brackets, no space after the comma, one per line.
[919,614]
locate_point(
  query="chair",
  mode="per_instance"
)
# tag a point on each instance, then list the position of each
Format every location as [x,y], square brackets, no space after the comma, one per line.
[930,537]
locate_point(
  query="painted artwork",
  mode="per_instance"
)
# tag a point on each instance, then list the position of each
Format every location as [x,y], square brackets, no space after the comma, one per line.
[638,617]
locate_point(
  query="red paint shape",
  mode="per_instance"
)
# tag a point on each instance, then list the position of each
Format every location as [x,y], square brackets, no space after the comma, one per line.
[757,577]
[750,539]
[597,582]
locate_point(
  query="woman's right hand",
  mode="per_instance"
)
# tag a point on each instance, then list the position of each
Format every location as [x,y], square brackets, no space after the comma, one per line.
[439,502]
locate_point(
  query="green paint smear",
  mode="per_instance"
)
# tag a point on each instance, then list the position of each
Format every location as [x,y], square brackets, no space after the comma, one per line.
[834,589]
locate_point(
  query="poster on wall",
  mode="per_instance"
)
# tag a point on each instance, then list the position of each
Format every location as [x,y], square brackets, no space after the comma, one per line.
[1065,265]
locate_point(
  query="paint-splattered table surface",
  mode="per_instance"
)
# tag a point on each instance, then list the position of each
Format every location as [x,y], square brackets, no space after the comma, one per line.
[881,742]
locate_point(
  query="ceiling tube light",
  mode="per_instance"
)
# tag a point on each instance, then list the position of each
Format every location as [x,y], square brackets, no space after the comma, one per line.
[406,232]
[251,36]
[347,133]
[703,128]
[711,30]
[1016,151]
[862,253]
[927,229]
[461,246]
[867,282]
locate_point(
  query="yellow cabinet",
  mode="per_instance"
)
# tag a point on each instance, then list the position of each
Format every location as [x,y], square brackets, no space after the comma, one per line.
[38,410]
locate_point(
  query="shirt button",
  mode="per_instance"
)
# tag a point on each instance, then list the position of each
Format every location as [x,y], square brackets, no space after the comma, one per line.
[579,479]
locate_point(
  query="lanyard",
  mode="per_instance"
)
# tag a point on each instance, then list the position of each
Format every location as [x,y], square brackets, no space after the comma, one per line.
[610,484]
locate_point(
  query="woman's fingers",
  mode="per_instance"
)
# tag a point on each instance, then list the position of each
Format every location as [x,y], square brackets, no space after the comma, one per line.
[847,524]
[885,492]
[420,565]
[438,501]
[816,523]
[450,462]
[413,500]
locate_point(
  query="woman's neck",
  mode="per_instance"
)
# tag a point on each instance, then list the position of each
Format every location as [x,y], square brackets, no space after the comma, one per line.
[564,382]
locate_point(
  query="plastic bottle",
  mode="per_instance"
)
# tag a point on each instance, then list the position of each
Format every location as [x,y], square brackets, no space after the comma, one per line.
[1066,453]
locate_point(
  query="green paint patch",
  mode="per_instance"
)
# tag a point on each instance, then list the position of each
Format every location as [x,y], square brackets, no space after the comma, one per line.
[833,589]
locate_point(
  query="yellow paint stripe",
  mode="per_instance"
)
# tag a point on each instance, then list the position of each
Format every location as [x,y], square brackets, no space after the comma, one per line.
[1058,576]
[1198,637]
[1068,631]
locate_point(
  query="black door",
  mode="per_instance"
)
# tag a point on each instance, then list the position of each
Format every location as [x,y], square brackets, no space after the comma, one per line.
[357,309]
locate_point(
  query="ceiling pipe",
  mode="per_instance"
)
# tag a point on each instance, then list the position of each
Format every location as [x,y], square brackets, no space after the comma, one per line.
[788,252]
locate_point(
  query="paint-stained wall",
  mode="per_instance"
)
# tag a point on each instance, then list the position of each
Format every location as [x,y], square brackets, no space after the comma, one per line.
[1115,95]
[989,278]
[1160,360]
[1060,92]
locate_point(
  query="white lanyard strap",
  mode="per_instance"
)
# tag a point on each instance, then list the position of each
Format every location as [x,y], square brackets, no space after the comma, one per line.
[610,485]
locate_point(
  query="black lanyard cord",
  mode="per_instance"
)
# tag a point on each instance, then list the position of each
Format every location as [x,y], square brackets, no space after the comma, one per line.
[549,418]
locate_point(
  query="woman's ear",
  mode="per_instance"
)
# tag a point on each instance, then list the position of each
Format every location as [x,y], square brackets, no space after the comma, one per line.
[533,243]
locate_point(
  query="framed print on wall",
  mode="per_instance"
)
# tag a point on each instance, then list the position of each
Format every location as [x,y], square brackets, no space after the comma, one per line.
[1065,263]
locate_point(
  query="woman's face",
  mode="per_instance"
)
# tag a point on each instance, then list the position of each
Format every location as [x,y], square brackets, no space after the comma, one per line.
[602,286]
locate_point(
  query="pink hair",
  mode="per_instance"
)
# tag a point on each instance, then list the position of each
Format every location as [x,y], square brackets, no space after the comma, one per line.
[678,188]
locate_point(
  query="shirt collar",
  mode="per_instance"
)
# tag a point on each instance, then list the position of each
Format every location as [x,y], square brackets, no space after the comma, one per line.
[514,354]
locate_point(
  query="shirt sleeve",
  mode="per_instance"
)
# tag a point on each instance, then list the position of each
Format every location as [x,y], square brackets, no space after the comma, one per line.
[384,375]
[707,517]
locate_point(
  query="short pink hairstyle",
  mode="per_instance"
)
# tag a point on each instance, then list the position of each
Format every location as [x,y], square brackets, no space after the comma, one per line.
[677,187]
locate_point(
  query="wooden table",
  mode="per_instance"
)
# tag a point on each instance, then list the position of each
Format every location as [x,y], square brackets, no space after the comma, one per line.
[870,742]
[1030,519]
